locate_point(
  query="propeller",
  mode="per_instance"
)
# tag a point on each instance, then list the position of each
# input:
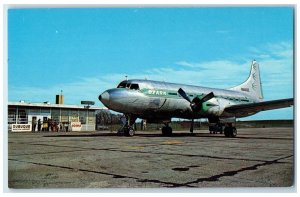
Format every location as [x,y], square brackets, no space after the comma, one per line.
[196,103]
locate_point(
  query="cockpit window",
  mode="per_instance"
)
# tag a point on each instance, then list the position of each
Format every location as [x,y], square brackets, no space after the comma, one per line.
[122,85]
[134,86]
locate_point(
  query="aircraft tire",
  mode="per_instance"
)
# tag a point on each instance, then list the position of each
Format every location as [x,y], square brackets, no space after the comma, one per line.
[233,132]
[129,132]
[169,131]
[227,131]
[230,132]
[166,131]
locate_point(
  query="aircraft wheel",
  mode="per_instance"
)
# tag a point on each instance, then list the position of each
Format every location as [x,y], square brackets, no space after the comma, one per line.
[169,131]
[129,131]
[230,132]
[233,132]
[163,130]
[227,132]
[166,131]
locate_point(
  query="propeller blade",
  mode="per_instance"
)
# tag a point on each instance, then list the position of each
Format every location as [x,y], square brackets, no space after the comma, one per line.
[196,104]
[207,97]
[182,93]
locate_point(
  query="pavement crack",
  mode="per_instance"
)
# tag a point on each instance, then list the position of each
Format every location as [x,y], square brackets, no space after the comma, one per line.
[234,172]
[155,153]
[46,153]
[164,183]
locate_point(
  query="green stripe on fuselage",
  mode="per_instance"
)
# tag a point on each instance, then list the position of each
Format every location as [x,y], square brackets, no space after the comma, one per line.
[166,93]
[173,94]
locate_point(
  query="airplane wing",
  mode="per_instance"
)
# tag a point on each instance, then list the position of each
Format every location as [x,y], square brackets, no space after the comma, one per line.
[251,108]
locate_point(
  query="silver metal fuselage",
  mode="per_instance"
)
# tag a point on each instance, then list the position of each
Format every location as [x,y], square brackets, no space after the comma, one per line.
[155,100]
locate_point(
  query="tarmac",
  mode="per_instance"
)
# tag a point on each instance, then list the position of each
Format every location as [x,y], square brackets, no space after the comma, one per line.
[260,157]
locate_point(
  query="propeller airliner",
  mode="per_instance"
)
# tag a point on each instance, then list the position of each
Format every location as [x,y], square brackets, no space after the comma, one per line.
[159,102]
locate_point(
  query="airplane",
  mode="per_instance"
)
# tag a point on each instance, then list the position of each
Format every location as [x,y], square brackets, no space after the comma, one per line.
[159,102]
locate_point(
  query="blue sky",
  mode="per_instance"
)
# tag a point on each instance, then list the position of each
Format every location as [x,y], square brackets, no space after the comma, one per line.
[86,51]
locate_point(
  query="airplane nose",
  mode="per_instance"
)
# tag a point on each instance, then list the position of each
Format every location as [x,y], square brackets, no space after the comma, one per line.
[104,97]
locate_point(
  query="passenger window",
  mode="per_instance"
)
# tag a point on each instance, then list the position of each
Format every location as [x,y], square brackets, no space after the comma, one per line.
[128,85]
[134,86]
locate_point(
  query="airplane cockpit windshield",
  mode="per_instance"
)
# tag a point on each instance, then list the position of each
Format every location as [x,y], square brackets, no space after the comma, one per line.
[129,85]
[122,85]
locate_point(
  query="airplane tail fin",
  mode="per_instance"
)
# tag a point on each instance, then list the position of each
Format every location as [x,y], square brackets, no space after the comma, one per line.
[252,85]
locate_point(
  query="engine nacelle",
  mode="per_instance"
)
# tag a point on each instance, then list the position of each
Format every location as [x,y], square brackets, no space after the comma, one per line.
[216,106]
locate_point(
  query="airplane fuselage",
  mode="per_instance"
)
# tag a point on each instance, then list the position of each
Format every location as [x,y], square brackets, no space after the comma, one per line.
[158,101]
[154,100]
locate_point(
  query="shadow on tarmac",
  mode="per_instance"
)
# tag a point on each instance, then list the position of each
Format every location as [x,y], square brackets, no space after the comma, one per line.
[174,135]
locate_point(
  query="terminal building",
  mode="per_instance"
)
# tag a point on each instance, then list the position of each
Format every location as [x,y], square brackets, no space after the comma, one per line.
[34,117]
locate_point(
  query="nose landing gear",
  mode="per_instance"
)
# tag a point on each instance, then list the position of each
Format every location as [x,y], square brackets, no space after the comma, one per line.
[127,128]
[128,131]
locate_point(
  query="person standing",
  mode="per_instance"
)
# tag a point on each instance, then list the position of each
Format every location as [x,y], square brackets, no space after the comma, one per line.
[50,124]
[39,125]
[33,124]
[55,126]
[144,125]
[66,125]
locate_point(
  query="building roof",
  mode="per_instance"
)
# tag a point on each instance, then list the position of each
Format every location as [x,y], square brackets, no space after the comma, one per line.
[48,105]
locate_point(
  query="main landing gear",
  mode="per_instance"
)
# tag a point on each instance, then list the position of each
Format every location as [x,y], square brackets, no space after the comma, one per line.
[217,128]
[228,128]
[166,130]
[230,131]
